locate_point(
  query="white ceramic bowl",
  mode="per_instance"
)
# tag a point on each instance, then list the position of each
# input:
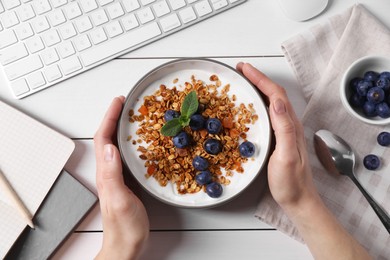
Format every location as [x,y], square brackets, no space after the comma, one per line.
[357,69]
[202,69]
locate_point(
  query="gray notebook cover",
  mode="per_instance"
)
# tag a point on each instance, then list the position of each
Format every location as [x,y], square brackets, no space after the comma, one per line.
[65,206]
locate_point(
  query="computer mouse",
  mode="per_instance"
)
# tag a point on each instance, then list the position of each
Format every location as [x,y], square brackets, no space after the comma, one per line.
[302,10]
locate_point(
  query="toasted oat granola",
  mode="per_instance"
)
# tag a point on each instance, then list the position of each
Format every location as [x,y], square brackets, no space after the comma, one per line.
[165,162]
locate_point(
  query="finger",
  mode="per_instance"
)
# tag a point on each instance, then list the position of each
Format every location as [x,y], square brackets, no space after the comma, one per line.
[273,91]
[113,193]
[107,128]
[284,129]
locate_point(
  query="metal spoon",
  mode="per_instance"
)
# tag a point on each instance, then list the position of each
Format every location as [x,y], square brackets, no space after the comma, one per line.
[337,157]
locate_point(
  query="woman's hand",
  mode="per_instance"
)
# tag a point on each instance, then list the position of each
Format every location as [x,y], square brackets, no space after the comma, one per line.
[290,178]
[125,222]
[289,172]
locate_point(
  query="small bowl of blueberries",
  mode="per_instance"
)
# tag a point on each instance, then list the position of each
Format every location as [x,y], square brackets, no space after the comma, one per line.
[365,90]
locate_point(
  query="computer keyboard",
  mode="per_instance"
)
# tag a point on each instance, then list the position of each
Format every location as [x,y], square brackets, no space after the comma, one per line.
[43,42]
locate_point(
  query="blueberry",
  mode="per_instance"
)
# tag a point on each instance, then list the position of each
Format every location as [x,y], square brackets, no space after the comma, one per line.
[203,178]
[357,100]
[353,83]
[385,74]
[171,114]
[369,109]
[383,110]
[197,122]
[363,86]
[384,139]
[214,190]
[371,162]
[213,125]
[212,146]
[383,83]
[375,95]
[247,149]
[371,75]
[181,140]
[200,163]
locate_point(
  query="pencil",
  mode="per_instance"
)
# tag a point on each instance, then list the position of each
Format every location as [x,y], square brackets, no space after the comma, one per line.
[10,192]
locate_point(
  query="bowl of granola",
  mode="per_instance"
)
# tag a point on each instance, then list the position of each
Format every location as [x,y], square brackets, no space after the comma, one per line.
[194,133]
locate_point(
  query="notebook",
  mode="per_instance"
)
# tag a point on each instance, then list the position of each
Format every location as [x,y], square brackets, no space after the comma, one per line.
[32,156]
[62,210]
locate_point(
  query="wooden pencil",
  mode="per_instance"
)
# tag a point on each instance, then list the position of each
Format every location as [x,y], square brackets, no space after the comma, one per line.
[6,187]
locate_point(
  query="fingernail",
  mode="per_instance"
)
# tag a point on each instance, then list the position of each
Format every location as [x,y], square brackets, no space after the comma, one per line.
[108,152]
[279,106]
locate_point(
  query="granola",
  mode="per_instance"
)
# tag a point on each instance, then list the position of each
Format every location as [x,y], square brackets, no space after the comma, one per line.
[165,162]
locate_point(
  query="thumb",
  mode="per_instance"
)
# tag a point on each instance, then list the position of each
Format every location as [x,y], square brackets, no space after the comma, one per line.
[109,173]
[283,126]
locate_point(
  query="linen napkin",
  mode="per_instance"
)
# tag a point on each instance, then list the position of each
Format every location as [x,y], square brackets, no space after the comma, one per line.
[319,57]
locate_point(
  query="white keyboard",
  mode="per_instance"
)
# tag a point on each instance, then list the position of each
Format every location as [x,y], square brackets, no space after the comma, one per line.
[43,42]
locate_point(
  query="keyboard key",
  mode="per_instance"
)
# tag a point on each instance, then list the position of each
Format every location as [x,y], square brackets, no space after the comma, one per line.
[41,6]
[115,10]
[9,4]
[66,49]
[49,56]
[203,8]
[40,24]
[146,2]
[113,29]
[145,15]
[25,12]
[9,19]
[58,3]
[170,22]
[187,15]
[105,2]
[51,37]
[83,24]
[1,8]
[130,5]
[56,17]
[98,35]
[70,65]
[88,5]
[22,67]
[161,8]
[72,10]
[218,4]
[177,4]
[7,38]
[35,80]
[67,31]
[52,73]
[120,44]
[13,53]
[129,22]
[82,42]
[19,87]
[35,44]
[99,17]
[23,31]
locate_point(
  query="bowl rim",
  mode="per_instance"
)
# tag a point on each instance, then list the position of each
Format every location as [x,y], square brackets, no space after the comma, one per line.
[347,76]
[145,77]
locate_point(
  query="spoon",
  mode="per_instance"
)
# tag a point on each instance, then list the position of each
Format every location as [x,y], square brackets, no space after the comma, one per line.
[337,157]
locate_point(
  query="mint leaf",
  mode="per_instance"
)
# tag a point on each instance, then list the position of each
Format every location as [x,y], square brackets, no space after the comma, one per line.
[184,121]
[190,105]
[172,128]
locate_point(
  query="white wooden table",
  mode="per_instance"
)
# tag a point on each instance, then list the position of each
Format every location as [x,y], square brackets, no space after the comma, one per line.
[251,32]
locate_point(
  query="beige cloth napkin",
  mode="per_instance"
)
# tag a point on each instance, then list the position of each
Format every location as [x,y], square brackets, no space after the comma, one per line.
[318,58]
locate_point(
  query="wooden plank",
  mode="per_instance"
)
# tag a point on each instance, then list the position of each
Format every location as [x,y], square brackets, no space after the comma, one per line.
[195,245]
